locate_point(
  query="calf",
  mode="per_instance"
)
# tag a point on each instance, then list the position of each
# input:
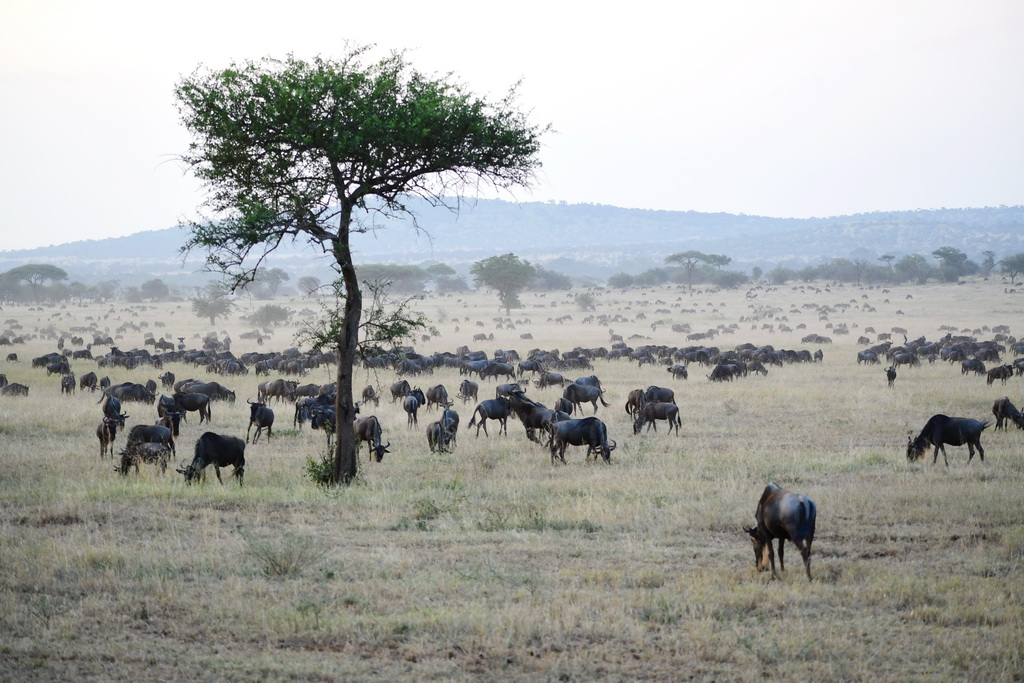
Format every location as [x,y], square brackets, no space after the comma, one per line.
[411,405]
[157,453]
[468,391]
[217,450]
[370,394]
[67,384]
[106,432]
[890,375]
[786,516]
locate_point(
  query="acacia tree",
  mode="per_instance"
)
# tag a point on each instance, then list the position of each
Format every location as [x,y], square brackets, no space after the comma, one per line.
[291,149]
[35,275]
[689,260]
[1012,265]
[507,274]
[211,306]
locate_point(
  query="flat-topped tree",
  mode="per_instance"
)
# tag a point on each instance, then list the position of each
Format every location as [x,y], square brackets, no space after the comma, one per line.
[316,150]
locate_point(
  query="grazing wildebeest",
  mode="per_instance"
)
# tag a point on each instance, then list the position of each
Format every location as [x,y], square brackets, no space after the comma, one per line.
[437,396]
[450,421]
[1006,411]
[106,432]
[368,429]
[324,418]
[562,405]
[87,381]
[652,412]
[890,375]
[370,395]
[867,356]
[534,366]
[67,384]
[941,430]
[112,409]
[506,390]
[438,437]
[496,369]
[578,394]
[468,391]
[215,390]
[146,452]
[304,411]
[678,371]
[972,365]
[400,389]
[411,405]
[260,416]
[659,395]
[491,409]
[217,450]
[131,391]
[189,402]
[151,434]
[588,431]
[167,379]
[786,516]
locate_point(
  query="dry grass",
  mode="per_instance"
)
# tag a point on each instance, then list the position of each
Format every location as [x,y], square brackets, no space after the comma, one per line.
[491,563]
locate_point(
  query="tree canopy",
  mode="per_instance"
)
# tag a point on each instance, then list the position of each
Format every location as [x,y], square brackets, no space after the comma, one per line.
[507,274]
[35,275]
[290,149]
[1012,265]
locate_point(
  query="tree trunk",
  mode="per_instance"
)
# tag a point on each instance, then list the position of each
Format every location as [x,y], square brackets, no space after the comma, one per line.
[345,456]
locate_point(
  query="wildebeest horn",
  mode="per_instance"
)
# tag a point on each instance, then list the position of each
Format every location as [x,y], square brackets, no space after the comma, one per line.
[248,401]
[612,447]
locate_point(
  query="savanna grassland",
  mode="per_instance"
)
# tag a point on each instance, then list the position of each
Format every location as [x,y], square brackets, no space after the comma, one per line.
[492,563]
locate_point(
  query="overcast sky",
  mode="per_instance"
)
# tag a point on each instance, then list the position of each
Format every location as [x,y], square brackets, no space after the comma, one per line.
[769,108]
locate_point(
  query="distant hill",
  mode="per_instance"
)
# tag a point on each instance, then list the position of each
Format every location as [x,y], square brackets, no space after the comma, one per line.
[577,239]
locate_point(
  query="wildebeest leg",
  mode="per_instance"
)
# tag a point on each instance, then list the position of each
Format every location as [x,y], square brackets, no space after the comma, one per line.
[504,425]
[217,471]
[782,549]
[805,552]
[771,556]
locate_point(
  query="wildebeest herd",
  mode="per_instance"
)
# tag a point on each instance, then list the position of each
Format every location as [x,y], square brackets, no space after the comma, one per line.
[779,514]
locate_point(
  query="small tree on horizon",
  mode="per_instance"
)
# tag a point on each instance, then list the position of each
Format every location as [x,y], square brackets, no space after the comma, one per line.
[507,274]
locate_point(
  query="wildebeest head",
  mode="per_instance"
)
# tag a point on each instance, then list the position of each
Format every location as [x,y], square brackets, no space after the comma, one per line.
[760,548]
[915,448]
[380,449]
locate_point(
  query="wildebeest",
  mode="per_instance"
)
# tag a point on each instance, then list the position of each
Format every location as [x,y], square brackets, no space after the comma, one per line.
[106,432]
[867,356]
[260,416]
[491,409]
[1002,372]
[588,431]
[131,391]
[678,371]
[146,452]
[171,420]
[890,375]
[217,450]
[370,395]
[635,402]
[468,390]
[411,405]
[112,409]
[167,379]
[659,395]
[67,384]
[786,516]
[151,434]
[955,431]
[496,369]
[189,402]
[400,389]
[437,396]
[1006,411]
[654,411]
[578,394]
[215,390]
[972,365]
[438,437]
[88,381]
[14,389]
[368,429]
[549,379]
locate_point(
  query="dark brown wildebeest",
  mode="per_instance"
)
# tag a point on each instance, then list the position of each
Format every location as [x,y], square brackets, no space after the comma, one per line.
[890,375]
[588,431]
[468,391]
[1003,372]
[88,381]
[549,379]
[188,402]
[972,365]
[260,417]
[1006,411]
[955,431]
[437,396]
[106,432]
[659,395]
[133,453]
[491,409]
[167,379]
[439,437]
[368,429]
[635,402]
[112,409]
[67,384]
[652,412]
[151,434]
[370,395]
[786,516]
[217,450]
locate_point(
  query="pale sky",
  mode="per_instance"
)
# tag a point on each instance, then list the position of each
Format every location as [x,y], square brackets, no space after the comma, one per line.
[782,109]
